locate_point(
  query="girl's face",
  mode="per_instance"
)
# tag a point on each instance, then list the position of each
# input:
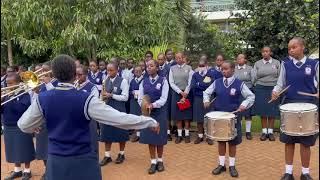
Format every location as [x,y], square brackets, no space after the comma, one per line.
[102,66]
[227,71]
[179,58]
[112,71]
[161,59]
[241,60]
[93,67]
[130,64]
[152,68]
[169,55]
[122,64]
[10,80]
[142,65]
[219,60]
[266,53]
[295,49]
[148,57]
[202,66]
[137,71]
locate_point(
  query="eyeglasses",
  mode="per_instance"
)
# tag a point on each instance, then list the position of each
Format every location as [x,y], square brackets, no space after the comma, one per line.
[202,65]
[79,74]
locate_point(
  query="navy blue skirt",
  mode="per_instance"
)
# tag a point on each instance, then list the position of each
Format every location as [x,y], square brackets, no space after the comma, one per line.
[168,105]
[198,109]
[147,136]
[111,133]
[175,111]
[81,167]
[19,147]
[134,107]
[305,140]
[238,139]
[42,143]
[247,113]
[261,105]
[94,137]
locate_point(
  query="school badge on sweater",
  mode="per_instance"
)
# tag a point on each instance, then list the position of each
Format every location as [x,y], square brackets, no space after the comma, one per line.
[207,79]
[307,70]
[232,91]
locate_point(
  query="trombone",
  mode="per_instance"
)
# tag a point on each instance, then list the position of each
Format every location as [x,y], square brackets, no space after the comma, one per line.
[30,81]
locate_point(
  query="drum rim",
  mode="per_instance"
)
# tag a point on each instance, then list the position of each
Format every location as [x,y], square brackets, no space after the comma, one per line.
[206,115]
[287,110]
[300,111]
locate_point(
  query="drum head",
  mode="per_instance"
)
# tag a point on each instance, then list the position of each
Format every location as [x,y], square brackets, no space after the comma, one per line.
[220,115]
[298,107]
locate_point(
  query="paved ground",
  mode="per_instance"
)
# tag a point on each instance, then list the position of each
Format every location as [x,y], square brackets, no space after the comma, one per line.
[255,160]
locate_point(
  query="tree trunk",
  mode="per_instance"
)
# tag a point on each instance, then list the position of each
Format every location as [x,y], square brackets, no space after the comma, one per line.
[71,51]
[93,52]
[10,55]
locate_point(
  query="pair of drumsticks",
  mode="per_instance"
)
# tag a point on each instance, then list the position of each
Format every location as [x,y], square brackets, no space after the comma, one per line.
[299,92]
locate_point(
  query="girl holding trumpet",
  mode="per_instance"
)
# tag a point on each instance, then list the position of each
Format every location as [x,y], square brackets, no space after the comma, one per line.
[157,88]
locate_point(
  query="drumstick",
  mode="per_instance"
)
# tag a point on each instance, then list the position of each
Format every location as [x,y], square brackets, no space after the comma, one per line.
[307,94]
[235,111]
[280,93]
[212,100]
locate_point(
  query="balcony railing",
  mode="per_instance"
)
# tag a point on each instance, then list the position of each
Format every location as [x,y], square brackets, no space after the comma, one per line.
[213,5]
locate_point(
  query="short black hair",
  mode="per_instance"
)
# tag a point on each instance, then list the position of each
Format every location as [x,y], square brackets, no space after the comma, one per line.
[231,63]
[64,68]
[94,61]
[16,77]
[14,68]
[48,63]
[155,62]
[300,40]
[148,52]
[85,69]
[220,54]
[266,47]
[161,54]
[113,64]
[168,50]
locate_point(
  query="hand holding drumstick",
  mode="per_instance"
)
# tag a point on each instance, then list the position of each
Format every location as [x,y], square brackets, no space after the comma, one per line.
[309,94]
[275,95]
[207,104]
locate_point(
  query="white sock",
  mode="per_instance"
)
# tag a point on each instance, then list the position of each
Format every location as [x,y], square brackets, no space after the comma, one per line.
[138,133]
[180,132]
[264,130]
[221,160]
[168,131]
[270,131]
[305,170]
[17,169]
[289,169]
[232,161]
[248,126]
[107,153]
[159,160]
[2,127]
[186,132]
[121,152]
[27,170]
[200,135]
[153,161]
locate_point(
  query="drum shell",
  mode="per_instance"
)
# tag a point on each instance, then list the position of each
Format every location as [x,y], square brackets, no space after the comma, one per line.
[220,129]
[299,123]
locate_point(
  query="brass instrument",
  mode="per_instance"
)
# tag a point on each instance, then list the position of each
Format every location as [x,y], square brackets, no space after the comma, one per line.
[145,110]
[30,82]
[103,88]
[76,84]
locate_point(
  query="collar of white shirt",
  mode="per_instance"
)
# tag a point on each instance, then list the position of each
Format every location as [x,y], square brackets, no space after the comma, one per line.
[161,67]
[243,66]
[84,83]
[155,78]
[95,74]
[139,78]
[65,84]
[217,68]
[182,65]
[229,79]
[303,60]
[264,61]
[112,79]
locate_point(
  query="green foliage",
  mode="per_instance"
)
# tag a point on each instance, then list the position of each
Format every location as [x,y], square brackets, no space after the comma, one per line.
[275,22]
[156,50]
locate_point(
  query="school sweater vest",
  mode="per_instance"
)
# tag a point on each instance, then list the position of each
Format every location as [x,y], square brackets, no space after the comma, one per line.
[202,86]
[13,110]
[181,75]
[114,88]
[67,124]
[97,79]
[228,98]
[301,79]
[134,86]
[88,87]
[164,72]
[153,90]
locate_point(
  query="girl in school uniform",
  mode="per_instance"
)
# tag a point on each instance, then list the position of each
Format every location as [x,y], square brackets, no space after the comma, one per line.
[243,72]
[228,95]
[142,64]
[180,76]
[157,88]
[85,85]
[170,57]
[302,74]
[265,74]
[102,67]
[201,80]
[133,97]
[19,146]
[216,70]
[94,75]
[116,95]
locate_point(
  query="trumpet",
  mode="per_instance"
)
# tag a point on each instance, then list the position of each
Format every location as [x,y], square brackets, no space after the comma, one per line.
[30,82]
[76,84]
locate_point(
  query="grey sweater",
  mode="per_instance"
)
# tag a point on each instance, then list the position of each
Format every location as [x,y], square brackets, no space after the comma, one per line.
[266,74]
[244,74]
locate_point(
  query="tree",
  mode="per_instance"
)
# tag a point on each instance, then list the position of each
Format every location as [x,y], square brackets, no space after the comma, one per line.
[275,22]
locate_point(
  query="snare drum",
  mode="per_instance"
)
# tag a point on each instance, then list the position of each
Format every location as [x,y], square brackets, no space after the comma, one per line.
[220,126]
[299,119]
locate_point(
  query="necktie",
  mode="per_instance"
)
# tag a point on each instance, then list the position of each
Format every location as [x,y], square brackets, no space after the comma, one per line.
[299,63]
[153,80]
[226,82]
[267,62]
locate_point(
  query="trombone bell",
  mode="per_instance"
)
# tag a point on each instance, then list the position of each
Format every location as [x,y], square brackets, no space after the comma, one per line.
[30,79]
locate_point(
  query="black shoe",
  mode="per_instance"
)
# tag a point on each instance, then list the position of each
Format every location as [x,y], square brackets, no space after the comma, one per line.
[160,166]
[263,137]
[135,138]
[105,161]
[305,177]
[271,137]
[169,137]
[178,140]
[219,170]
[233,171]
[120,159]
[152,169]
[198,140]
[287,176]
[43,177]
[187,139]
[26,175]
[14,175]
[210,141]
[248,135]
